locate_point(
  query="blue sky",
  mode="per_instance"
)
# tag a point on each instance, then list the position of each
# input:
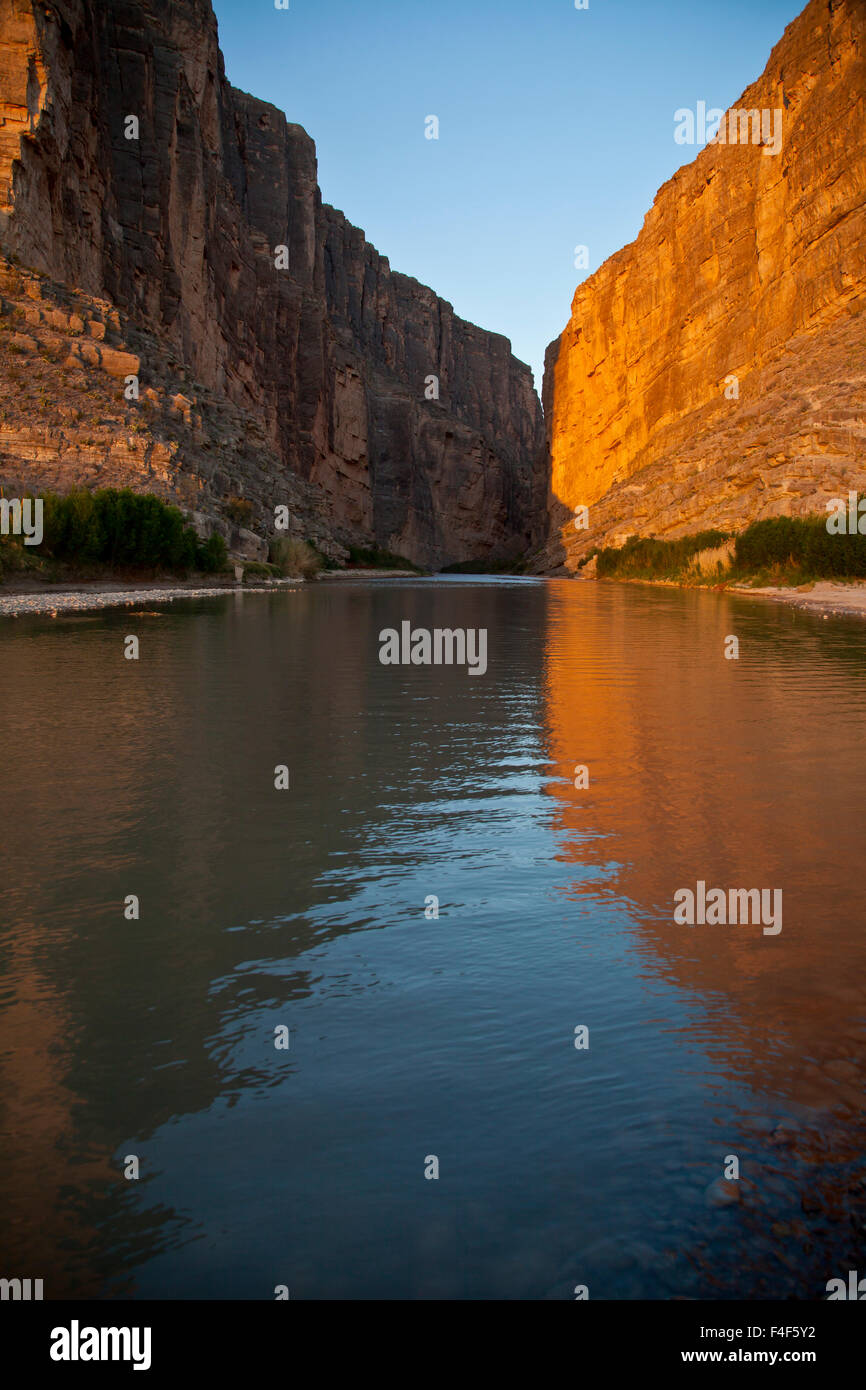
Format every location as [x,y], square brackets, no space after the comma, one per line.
[556,127]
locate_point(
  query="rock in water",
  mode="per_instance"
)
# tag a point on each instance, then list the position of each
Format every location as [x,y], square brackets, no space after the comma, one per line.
[723,1192]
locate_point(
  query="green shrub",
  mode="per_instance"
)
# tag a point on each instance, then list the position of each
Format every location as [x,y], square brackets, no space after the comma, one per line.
[257,570]
[212,556]
[294,558]
[238,510]
[648,558]
[784,549]
[803,544]
[121,528]
[13,556]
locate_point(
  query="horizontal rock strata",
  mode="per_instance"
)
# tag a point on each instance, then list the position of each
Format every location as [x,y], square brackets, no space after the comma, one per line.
[713,372]
[207,235]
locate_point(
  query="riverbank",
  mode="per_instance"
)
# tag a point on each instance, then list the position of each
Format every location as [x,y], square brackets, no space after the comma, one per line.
[30,596]
[823,597]
[826,598]
[18,600]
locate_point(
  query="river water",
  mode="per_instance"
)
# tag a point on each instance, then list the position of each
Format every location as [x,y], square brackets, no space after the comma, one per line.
[414,1037]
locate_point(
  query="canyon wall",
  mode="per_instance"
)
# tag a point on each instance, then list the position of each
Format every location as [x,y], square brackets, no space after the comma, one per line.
[713,372]
[314,358]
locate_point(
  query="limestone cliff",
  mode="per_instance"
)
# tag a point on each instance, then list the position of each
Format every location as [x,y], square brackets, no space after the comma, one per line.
[166,231]
[751,265]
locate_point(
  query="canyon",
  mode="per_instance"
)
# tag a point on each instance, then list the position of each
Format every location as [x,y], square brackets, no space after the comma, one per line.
[713,371]
[160,227]
[163,233]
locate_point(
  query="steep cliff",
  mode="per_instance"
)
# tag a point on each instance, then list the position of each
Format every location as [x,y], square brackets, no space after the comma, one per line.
[174,222]
[713,372]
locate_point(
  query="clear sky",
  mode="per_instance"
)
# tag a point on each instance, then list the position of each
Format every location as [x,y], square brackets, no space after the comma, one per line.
[555,127]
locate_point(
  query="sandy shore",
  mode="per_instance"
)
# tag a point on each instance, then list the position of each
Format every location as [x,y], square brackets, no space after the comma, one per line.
[78,599]
[826,597]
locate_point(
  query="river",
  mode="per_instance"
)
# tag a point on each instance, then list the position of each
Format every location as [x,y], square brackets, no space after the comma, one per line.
[472,961]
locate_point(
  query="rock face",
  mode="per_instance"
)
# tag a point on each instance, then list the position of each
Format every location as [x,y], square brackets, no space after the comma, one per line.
[750,265]
[207,237]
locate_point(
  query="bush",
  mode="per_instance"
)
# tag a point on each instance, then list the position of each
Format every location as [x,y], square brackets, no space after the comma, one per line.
[121,528]
[295,558]
[212,556]
[15,556]
[648,558]
[801,543]
[713,563]
[782,548]
[238,510]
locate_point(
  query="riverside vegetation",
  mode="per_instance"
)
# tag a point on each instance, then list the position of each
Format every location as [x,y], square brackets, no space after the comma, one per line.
[93,535]
[88,535]
[779,550]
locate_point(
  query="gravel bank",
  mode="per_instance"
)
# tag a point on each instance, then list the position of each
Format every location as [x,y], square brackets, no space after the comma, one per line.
[14,605]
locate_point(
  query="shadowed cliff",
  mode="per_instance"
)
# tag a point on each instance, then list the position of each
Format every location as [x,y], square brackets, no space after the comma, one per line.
[319,357]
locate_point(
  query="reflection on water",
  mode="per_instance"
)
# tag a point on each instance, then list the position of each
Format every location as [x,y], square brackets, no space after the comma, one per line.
[414,1036]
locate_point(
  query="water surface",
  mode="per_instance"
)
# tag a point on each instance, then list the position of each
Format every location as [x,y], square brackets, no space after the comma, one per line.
[414,1036]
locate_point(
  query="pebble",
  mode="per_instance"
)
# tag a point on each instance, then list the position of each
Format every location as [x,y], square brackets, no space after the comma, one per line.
[786,1132]
[723,1192]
